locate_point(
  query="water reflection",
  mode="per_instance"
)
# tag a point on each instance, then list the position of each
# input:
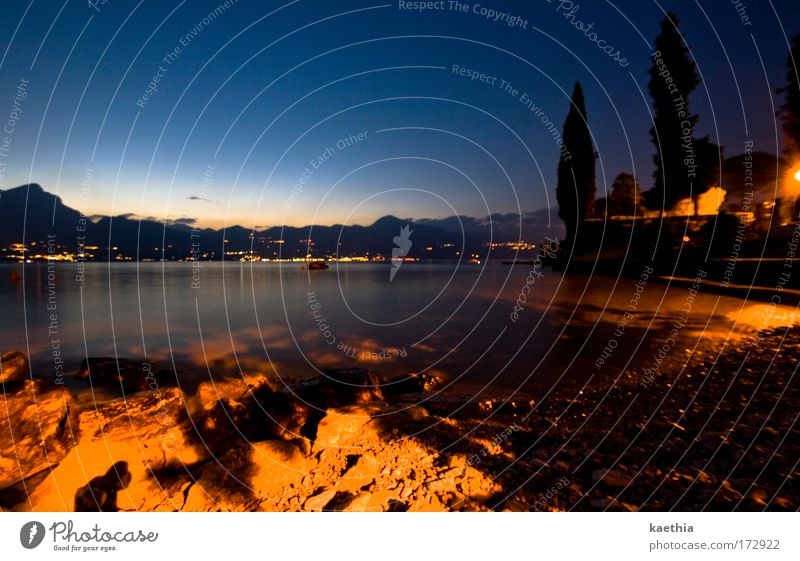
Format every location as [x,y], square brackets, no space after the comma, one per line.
[277,319]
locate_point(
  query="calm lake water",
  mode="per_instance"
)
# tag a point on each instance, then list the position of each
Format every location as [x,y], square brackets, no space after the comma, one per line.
[456,320]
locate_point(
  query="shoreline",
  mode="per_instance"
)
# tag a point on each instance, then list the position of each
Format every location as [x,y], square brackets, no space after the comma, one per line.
[682,441]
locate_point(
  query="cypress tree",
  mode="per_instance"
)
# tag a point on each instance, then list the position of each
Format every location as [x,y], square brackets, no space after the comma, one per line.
[673,77]
[790,110]
[575,189]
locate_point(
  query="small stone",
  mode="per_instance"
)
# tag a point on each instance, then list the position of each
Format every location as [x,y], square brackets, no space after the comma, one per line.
[758,497]
[514,505]
[457,461]
[611,478]
[319,501]
[358,503]
[303,444]
[561,466]
[13,367]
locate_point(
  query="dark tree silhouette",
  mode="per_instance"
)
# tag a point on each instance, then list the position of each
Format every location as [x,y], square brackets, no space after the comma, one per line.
[766,173]
[625,198]
[673,77]
[575,189]
[601,209]
[790,110]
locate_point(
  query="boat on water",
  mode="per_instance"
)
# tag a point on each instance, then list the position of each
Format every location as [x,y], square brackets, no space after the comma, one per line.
[316,266]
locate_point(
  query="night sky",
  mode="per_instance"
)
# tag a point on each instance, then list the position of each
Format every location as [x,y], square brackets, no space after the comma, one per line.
[249,95]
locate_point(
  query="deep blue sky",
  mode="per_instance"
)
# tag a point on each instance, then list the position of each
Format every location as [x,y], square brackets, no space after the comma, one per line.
[227,101]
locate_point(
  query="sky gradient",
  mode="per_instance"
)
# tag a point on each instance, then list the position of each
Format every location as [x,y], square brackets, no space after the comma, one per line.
[270,113]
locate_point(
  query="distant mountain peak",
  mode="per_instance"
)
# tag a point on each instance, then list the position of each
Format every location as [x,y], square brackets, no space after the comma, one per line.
[34,188]
[389,219]
[28,213]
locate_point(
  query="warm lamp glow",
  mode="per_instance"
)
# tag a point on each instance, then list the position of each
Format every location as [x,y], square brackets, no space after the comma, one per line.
[709,202]
[797,175]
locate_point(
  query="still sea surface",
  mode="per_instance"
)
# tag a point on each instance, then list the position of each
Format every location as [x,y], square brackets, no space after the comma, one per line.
[455,320]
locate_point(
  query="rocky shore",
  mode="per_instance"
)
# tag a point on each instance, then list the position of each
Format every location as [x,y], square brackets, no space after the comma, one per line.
[719,434]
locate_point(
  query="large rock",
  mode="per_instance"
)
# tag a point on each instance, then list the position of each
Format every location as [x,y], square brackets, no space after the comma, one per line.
[260,415]
[148,433]
[275,465]
[336,388]
[611,478]
[13,367]
[352,503]
[319,501]
[414,383]
[36,430]
[249,410]
[347,427]
[223,485]
[250,477]
[157,421]
[235,389]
